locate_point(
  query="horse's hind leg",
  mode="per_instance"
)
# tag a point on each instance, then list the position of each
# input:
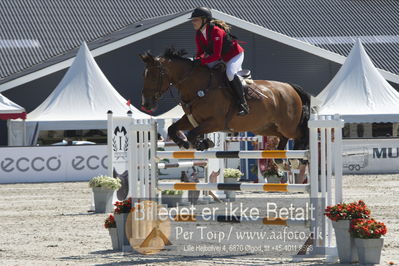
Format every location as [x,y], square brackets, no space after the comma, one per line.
[281,146]
[282,143]
[300,144]
[175,130]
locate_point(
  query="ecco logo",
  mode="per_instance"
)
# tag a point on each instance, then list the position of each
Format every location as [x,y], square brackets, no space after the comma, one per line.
[92,162]
[37,164]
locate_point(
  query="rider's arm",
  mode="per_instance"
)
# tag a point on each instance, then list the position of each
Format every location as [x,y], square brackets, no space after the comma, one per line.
[200,53]
[217,37]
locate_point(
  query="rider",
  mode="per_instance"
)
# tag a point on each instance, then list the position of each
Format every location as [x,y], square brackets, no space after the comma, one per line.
[214,44]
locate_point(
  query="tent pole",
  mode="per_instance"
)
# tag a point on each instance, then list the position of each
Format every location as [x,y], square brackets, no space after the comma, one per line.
[24,133]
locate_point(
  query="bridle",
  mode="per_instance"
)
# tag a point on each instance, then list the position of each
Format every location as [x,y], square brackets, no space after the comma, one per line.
[158,92]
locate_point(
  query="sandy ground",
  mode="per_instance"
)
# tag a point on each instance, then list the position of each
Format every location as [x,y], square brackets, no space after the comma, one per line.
[48,224]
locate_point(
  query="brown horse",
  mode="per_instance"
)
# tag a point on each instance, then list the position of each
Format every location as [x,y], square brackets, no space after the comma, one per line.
[278,109]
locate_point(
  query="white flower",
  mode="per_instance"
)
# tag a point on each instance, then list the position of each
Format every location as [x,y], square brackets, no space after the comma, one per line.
[105,182]
[231,172]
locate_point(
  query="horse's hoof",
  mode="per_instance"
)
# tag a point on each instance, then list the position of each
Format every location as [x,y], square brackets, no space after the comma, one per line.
[186,145]
[209,143]
[200,145]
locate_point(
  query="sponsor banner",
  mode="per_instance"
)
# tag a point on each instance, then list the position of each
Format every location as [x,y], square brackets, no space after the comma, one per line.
[52,164]
[370,156]
[119,140]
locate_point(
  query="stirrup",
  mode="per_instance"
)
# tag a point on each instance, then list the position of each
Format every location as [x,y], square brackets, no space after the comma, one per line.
[243,110]
[242,113]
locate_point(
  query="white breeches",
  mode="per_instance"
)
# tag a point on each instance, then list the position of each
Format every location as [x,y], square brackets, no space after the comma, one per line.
[232,66]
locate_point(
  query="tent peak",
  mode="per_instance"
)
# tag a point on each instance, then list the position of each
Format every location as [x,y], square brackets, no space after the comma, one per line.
[359,89]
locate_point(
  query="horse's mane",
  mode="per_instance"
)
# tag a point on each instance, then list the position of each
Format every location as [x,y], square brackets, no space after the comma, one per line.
[173,53]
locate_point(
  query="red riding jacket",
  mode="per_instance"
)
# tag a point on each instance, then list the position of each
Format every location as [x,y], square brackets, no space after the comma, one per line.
[218,36]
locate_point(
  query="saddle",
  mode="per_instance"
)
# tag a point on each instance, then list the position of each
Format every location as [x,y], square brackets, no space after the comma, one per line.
[246,79]
[250,89]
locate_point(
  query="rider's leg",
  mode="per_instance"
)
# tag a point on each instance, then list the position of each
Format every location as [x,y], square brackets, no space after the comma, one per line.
[237,86]
[232,67]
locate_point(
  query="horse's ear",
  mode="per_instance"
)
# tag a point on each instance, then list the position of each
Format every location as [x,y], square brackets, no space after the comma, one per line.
[147,57]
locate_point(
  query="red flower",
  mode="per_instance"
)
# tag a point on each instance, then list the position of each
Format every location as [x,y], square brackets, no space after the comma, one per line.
[110,222]
[123,206]
[344,211]
[367,228]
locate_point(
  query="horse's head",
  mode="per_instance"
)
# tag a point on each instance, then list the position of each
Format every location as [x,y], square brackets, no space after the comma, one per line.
[156,81]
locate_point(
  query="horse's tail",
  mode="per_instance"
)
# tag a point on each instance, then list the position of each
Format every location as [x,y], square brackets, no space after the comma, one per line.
[303,143]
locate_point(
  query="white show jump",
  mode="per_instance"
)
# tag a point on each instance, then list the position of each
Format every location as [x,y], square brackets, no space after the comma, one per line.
[136,151]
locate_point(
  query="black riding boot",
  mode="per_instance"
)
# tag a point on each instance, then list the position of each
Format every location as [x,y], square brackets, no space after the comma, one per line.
[237,86]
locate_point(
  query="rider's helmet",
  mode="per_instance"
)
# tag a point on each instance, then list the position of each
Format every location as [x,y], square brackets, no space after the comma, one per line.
[202,12]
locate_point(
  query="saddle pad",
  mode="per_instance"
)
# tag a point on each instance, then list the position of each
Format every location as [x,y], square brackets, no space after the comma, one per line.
[251,92]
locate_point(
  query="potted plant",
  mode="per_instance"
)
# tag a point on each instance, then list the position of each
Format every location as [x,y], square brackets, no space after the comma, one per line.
[172,197]
[341,214]
[121,212]
[110,224]
[368,240]
[231,175]
[103,189]
[272,174]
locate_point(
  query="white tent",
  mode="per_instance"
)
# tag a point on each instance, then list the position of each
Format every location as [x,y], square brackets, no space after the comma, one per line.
[80,101]
[359,92]
[10,110]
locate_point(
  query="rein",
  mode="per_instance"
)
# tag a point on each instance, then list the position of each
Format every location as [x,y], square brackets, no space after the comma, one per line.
[185,76]
[158,92]
[162,72]
[199,94]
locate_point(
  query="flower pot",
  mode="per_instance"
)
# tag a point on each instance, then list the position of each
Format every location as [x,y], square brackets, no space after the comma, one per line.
[103,199]
[369,250]
[120,220]
[273,179]
[171,200]
[230,195]
[230,179]
[113,233]
[345,242]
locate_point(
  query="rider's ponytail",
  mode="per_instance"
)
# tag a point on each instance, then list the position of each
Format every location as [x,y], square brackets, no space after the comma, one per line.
[221,24]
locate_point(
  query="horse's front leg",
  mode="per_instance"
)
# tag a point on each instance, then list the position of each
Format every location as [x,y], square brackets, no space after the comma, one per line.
[178,137]
[194,136]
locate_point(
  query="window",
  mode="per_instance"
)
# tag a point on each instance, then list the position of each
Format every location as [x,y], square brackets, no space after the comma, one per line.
[382,129]
[48,137]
